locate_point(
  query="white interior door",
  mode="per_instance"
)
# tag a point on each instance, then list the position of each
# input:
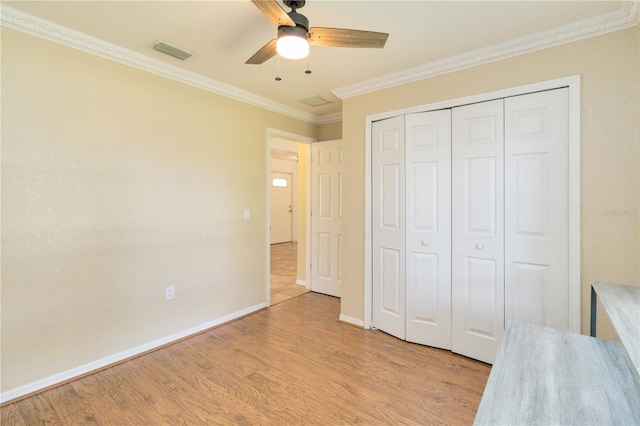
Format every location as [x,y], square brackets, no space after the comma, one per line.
[428,228]
[536,208]
[478,229]
[388,226]
[281,207]
[326,217]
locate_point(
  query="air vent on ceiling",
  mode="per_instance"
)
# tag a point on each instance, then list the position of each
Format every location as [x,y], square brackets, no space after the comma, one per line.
[167,49]
[315,101]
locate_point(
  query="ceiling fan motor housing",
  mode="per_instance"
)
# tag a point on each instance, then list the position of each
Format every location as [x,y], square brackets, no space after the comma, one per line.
[294,4]
[300,30]
[300,20]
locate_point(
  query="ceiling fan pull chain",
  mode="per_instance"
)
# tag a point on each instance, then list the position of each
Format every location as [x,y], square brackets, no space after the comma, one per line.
[308,70]
[278,74]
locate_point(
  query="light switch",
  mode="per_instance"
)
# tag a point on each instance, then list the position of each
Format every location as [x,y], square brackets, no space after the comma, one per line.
[247,214]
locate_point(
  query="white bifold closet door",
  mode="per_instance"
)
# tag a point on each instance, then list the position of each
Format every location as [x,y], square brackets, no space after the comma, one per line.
[411,198]
[470,222]
[510,241]
[388,223]
[428,228]
[477,289]
[537,208]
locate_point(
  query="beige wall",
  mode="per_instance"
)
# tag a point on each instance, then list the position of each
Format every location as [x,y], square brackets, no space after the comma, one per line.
[609,150]
[330,132]
[115,184]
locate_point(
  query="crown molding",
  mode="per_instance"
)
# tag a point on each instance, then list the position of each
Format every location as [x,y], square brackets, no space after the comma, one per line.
[632,8]
[24,22]
[628,16]
[329,118]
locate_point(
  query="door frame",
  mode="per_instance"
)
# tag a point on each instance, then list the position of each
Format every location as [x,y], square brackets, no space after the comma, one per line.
[573,84]
[281,134]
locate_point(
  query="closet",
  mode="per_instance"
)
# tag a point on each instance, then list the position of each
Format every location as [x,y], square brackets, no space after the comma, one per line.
[470,221]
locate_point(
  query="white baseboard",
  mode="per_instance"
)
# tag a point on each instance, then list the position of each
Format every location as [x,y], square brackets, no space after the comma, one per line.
[351,320]
[120,356]
[301,282]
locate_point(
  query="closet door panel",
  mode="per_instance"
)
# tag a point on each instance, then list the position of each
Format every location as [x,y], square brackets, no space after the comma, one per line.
[388,222]
[480,196]
[481,279]
[428,228]
[422,300]
[478,229]
[536,208]
[390,273]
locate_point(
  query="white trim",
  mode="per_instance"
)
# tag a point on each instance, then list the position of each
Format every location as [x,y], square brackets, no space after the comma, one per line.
[121,356]
[302,283]
[351,320]
[627,17]
[281,134]
[573,83]
[368,242]
[18,20]
[574,204]
[307,266]
[329,118]
[267,213]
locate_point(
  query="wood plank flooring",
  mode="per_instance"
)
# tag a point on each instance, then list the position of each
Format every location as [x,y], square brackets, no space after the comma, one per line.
[284,273]
[291,364]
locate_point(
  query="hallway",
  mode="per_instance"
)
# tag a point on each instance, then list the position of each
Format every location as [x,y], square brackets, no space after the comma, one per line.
[284,273]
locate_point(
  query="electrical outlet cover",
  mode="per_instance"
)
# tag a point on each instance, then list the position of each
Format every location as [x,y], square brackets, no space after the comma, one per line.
[169,293]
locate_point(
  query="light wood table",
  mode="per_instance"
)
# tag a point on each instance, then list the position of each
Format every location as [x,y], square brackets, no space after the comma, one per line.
[546,376]
[622,303]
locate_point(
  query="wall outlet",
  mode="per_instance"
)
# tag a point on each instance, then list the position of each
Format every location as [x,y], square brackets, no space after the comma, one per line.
[169,293]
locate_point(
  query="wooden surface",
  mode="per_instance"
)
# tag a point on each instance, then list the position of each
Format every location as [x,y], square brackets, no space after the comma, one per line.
[292,364]
[622,303]
[543,376]
[284,273]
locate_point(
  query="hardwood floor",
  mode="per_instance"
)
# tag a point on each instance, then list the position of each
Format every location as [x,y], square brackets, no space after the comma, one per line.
[293,364]
[284,273]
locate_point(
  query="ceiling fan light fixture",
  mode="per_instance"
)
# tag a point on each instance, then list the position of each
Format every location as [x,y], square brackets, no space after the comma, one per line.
[295,35]
[293,42]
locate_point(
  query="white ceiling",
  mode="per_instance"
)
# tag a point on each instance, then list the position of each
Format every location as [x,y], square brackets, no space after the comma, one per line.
[224,34]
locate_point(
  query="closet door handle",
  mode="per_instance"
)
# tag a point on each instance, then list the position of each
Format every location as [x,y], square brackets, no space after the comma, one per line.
[424,242]
[479,246]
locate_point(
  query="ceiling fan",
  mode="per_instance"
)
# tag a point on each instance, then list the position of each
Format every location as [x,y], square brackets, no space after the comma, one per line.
[295,36]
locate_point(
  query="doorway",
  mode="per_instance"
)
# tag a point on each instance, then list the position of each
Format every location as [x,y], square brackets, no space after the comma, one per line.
[283,273]
[288,184]
[281,207]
